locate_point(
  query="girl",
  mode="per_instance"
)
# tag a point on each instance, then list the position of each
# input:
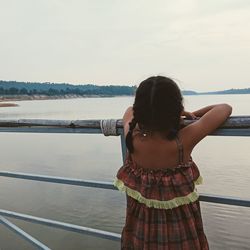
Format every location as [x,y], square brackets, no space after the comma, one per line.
[159,175]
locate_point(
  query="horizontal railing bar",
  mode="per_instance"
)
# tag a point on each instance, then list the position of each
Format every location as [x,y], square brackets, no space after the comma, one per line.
[62,225]
[232,122]
[23,234]
[50,123]
[60,180]
[55,123]
[55,130]
[226,200]
[221,132]
[232,132]
[108,185]
[234,126]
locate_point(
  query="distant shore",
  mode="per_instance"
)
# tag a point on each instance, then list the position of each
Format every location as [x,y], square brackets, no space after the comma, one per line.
[35,97]
[5,100]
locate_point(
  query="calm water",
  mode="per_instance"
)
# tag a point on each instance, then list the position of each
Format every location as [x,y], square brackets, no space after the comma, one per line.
[223,161]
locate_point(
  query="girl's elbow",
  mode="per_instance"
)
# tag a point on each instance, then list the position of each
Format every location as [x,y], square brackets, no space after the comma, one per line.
[228,108]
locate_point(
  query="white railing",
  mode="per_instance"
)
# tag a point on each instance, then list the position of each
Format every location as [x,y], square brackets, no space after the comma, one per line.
[234,126]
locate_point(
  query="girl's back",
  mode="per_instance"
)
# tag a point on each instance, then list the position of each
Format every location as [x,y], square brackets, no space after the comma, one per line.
[159,175]
[154,151]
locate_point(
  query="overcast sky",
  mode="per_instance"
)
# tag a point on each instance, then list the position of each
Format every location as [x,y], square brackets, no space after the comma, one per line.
[203,44]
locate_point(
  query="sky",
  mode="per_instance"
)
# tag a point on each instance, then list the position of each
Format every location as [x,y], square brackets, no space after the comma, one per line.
[203,45]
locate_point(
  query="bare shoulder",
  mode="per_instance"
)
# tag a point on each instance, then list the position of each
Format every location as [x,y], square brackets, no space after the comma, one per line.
[127,117]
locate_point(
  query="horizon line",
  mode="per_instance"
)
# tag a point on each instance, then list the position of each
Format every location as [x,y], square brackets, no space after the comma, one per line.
[77,84]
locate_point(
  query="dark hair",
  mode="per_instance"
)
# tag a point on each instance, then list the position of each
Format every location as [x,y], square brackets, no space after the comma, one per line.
[157,107]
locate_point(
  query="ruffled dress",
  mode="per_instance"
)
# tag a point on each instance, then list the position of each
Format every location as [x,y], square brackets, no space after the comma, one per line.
[163,210]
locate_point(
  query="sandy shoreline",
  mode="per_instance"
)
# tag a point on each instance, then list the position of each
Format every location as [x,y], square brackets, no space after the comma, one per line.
[6,101]
[8,105]
[35,97]
[46,97]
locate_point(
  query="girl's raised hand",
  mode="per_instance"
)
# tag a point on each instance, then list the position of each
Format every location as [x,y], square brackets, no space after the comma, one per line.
[189,115]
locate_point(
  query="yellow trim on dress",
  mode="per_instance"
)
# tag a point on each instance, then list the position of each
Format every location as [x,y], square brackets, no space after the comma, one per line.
[173,203]
[198,181]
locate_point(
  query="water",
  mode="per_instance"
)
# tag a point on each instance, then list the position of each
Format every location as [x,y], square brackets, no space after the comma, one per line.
[223,161]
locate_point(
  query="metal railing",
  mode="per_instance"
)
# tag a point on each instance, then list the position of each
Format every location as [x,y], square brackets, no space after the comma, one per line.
[235,126]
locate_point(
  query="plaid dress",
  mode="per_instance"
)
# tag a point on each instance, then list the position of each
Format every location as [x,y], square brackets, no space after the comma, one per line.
[163,210]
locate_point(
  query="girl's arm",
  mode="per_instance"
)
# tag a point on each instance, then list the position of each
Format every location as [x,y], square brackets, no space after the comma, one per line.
[211,118]
[197,113]
[203,111]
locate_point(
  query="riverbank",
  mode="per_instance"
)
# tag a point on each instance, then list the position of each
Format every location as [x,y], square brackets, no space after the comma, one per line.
[11,98]
[5,100]
[2,105]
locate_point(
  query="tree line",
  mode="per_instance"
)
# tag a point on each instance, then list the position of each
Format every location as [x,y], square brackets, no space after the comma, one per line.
[62,89]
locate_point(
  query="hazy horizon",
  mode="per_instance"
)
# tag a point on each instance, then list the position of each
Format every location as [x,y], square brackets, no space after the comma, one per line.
[203,45]
[110,84]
